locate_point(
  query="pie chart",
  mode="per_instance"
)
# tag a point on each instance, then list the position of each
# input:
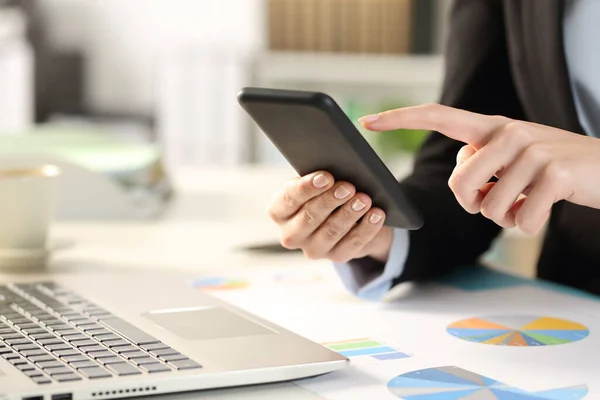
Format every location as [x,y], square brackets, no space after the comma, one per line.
[454,383]
[518,330]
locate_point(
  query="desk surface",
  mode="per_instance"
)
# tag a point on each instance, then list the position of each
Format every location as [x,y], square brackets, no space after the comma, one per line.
[217,213]
[213,216]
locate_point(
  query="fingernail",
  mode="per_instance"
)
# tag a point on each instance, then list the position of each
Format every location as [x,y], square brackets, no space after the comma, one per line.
[320,181]
[358,205]
[375,218]
[369,119]
[341,192]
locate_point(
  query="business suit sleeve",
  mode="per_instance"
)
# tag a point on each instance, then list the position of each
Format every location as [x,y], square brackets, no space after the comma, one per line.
[478,79]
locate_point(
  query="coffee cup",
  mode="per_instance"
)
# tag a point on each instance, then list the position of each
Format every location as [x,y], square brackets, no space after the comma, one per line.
[27,202]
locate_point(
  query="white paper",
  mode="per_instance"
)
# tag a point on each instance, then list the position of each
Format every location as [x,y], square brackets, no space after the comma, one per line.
[416,323]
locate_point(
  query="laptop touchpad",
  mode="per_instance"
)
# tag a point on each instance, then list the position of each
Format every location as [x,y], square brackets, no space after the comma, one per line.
[203,323]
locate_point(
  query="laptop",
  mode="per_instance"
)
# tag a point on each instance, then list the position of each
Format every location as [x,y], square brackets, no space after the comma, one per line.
[118,336]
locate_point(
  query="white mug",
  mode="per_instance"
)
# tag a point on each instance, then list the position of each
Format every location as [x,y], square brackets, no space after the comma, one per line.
[27,201]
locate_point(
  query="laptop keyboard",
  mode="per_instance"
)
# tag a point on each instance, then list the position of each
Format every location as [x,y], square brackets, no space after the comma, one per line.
[51,334]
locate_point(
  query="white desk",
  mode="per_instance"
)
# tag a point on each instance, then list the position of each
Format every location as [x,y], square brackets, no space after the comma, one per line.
[213,215]
[216,213]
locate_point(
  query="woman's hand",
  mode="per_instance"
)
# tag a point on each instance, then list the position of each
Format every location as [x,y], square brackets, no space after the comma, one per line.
[536,165]
[330,220]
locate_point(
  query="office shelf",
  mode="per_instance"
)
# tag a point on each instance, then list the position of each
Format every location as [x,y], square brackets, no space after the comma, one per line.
[349,69]
[347,77]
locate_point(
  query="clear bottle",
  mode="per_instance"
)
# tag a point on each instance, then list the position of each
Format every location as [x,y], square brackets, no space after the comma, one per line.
[16,73]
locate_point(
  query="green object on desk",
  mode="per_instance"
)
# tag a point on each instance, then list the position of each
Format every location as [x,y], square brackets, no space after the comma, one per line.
[135,167]
[92,149]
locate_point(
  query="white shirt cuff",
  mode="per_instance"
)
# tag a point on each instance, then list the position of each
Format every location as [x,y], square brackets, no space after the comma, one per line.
[353,275]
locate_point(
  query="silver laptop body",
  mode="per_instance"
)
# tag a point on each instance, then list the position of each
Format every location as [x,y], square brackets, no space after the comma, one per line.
[116,336]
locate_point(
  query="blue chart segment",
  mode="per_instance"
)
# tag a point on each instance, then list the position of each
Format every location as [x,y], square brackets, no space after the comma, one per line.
[453,383]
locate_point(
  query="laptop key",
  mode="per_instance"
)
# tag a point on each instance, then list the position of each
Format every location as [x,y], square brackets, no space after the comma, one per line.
[107,337]
[69,332]
[67,377]
[44,335]
[81,320]
[164,352]
[135,354]
[102,317]
[154,346]
[66,352]
[52,340]
[97,331]
[125,349]
[42,358]
[17,361]
[95,373]
[173,357]
[27,325]
[123,369]
[10,336]
[12,342]
[25,367]
[18,320]
[83,343]
[58,370]
[10,356]
[75,358]
[155,367]
[45,317]
[83,364]
[33,331]
[5,350]
[33,372]
[110,360]
[185,364]
[49,364]
[58,346]
[115,343]
[33,352]
[101,354]
[26,346]
[63,327]
[77,336]
[94,327]
[130,331]
[41,380]
[96,312]
[53,322]
[91,349]
[145,360]
[73,315]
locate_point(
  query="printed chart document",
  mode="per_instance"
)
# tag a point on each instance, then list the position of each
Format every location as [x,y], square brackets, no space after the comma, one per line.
[485,336]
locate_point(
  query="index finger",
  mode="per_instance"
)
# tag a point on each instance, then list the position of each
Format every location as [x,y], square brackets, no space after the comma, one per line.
[295,193]
[464,126]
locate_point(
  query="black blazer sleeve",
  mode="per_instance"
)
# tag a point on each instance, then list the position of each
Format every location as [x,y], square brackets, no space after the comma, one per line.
[478,79]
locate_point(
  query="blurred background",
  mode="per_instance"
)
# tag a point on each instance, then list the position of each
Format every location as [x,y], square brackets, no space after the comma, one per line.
[126,94]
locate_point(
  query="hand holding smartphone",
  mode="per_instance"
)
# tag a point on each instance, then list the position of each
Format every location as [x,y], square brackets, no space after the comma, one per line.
[313,133]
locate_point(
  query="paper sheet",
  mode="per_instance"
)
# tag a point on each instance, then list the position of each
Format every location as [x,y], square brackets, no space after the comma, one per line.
[554,358]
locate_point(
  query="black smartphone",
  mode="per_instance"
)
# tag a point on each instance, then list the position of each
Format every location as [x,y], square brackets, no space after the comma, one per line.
[313,133]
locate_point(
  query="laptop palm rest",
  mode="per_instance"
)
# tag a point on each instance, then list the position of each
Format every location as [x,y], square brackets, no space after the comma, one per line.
[204,323]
